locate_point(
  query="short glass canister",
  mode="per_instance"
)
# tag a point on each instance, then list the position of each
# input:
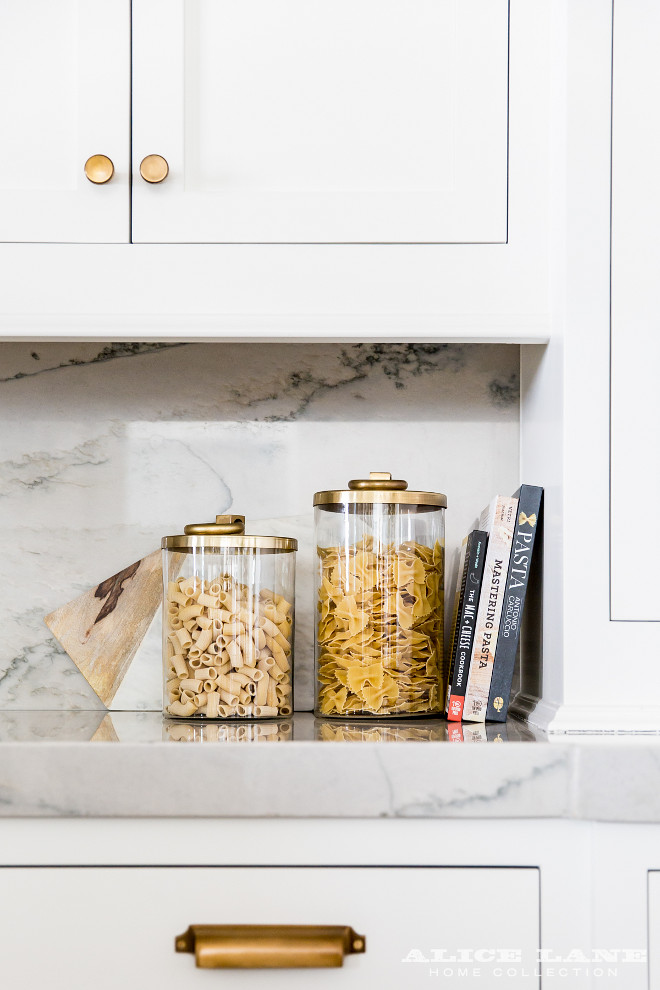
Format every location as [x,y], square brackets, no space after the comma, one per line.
[379,634]
[228,622]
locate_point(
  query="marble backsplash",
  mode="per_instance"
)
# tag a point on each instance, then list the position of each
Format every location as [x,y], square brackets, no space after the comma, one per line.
[106,448]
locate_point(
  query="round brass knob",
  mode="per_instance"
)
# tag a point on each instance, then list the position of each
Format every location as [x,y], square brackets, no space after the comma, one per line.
[99,169]
[154,168]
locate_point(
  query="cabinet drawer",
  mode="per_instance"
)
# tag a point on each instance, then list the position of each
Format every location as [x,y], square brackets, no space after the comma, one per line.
[654,930]
[104,927]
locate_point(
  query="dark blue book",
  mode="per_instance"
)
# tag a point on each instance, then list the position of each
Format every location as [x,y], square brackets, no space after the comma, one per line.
[522,549]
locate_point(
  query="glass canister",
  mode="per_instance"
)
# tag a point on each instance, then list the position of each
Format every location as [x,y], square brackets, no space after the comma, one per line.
[227,622]
[379,634]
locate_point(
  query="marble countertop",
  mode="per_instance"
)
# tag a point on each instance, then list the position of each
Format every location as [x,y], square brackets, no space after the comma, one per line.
[91,764]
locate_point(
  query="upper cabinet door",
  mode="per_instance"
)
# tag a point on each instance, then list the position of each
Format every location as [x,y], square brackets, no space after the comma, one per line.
[635,301]
[317,121]
[65,82]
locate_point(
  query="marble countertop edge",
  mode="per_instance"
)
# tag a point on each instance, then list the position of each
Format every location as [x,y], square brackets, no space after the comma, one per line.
[133,772]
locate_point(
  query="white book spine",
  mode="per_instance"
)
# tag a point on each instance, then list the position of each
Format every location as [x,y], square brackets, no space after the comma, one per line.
[498,519]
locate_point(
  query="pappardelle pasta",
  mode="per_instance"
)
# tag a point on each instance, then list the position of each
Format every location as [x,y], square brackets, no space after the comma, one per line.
[380,629]
[227,650]
[394,732]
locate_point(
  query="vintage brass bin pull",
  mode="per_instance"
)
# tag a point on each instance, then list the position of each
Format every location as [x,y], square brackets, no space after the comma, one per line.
[269,946]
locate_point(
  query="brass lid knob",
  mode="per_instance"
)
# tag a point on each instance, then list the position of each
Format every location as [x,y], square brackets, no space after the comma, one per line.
[99,169]
[227,533]
[380,488]
[154,168]
[378,481]
[223,526]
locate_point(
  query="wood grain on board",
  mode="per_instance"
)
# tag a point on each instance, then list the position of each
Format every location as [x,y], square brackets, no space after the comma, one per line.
[103,628]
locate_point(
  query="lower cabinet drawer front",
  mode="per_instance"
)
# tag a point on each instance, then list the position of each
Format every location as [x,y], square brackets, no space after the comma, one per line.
[94,928]
[654,929]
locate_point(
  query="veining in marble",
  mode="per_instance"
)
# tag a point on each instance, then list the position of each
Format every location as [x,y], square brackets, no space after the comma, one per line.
[85,763]
[106,448]
[48,769]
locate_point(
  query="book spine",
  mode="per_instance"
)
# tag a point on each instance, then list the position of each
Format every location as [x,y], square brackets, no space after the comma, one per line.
[461,573]
[475,557]
[529,512]
[496,568]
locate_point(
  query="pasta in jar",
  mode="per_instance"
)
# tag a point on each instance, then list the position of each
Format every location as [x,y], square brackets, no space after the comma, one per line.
[380,622]
[227,636]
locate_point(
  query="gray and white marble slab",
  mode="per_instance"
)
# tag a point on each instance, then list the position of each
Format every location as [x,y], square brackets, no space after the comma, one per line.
[130,767]
[135,764]
[106,448]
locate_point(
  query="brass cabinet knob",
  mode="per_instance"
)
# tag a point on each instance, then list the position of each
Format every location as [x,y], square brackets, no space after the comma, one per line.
[154,168]
[99,169]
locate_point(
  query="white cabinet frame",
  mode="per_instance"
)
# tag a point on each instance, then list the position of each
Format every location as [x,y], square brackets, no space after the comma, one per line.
[549,286]
[599,674]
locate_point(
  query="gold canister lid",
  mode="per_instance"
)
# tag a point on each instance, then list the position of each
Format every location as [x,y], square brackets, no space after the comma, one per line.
[382,488]
[227,532]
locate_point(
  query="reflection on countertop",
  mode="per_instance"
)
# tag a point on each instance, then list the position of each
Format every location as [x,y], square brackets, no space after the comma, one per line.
[199,731]
[152,727]
[419,730]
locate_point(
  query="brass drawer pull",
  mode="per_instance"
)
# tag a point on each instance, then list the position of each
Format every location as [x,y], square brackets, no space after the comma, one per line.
[269,946]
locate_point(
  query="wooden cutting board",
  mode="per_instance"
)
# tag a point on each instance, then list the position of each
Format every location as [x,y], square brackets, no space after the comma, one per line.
[103,628]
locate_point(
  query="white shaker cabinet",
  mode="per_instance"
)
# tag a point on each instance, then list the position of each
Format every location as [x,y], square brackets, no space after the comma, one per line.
[635,409]
[297,168]
[65,83]
[309,121]
[286,121]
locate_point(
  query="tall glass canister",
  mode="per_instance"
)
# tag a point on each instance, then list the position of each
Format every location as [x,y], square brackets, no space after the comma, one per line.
[227,622]
[379,634]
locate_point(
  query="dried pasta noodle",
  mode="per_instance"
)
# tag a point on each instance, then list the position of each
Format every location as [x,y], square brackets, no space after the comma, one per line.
[228,651]
[380,629]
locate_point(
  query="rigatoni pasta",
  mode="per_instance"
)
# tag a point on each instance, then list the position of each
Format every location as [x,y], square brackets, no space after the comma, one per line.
[228,649]
[227,622]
